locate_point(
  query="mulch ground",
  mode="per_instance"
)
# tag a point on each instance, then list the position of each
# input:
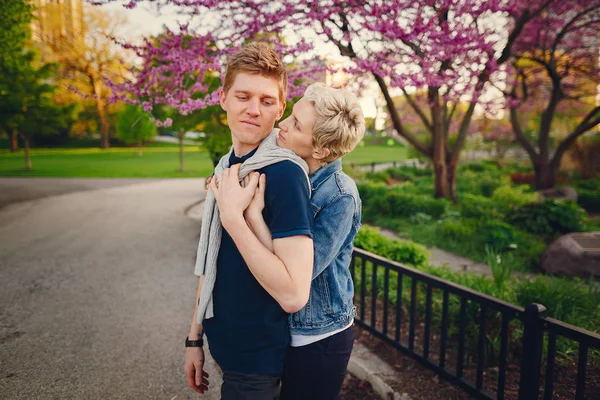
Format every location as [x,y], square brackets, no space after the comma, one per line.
[355,389]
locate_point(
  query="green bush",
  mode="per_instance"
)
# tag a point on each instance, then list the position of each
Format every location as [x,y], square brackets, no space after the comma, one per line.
[474,206]
[405,252]
[457,230]
[588,184]
[589,200]
[509,196]
[549,218]
[499,235]
[395,202]
[419,218]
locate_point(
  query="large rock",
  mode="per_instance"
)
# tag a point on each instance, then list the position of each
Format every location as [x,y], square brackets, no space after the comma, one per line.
[575,254]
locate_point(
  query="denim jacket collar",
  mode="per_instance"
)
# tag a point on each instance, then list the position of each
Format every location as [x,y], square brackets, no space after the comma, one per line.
[321,175]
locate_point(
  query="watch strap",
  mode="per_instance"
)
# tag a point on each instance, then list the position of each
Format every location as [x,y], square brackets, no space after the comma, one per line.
[194,343]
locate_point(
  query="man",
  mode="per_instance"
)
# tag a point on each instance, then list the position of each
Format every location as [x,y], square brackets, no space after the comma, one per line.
[245,325]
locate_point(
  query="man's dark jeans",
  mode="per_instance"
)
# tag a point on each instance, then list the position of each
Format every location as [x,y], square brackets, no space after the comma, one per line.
[239,386]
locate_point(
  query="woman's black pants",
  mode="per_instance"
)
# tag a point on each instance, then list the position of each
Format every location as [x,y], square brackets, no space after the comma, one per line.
[316,371]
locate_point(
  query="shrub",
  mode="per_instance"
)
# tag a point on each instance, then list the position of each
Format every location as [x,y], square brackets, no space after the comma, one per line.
[419,218]
[474,206]
[405,252]
[589,200]
[507,197]
[549,218]
[568,300]
[457,230]
[378,177]
[588,184]
[499,235]
[398,203]
[368,191]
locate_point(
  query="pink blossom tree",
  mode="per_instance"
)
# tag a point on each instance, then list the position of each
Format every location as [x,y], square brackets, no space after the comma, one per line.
[556,80]
[449,49]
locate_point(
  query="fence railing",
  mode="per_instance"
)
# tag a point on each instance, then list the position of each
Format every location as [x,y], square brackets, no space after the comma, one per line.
[464,335]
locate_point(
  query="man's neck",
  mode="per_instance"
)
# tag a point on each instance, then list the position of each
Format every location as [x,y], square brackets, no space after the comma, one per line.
[240,149]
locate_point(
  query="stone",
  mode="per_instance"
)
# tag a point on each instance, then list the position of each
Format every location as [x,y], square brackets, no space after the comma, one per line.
[565,192]
[575,254]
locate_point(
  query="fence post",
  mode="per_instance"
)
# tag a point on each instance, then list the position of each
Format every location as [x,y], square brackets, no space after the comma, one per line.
[531,364]
[373,167]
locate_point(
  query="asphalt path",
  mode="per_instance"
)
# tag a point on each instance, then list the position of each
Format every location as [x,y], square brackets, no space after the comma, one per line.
[13,190]
[97,288]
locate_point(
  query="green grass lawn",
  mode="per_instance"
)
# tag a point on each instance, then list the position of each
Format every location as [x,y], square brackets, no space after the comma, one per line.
[160,160]
[157,162]
[379,154]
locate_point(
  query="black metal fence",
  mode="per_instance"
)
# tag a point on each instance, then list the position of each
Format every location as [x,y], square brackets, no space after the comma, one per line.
[475,341]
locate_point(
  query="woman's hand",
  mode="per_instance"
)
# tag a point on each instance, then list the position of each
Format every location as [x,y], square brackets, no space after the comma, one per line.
[233,199]
[257,204]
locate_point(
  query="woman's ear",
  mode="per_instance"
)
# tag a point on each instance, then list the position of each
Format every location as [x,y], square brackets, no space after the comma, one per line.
[321,154]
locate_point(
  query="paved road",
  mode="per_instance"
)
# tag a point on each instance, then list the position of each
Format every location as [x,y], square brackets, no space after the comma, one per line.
[13,190]
[96,290]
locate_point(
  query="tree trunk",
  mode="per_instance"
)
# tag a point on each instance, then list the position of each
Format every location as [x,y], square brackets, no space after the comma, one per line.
[14,142]
[181,162]
[101,107]
[545,175]
[451,176]
[139,148]
[439,146]
[27,156]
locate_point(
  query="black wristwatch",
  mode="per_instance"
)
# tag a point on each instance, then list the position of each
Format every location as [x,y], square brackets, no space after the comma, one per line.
[193,343]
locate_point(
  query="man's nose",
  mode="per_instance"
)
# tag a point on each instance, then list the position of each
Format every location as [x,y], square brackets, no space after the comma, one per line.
[253,107]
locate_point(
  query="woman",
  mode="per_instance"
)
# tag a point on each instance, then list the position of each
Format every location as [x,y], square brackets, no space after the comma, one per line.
[325,124]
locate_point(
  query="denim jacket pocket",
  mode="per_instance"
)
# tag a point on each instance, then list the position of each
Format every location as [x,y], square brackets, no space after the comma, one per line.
[326,302]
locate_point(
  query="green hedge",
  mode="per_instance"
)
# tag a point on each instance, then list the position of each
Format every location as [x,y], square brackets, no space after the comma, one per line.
[397,202]
[549,217]
[405,252]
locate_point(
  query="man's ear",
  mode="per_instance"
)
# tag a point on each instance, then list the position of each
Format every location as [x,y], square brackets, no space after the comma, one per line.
[281,111]
[222,99]
[321,154]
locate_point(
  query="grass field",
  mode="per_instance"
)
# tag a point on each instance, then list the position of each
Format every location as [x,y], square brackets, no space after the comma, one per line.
[160,160]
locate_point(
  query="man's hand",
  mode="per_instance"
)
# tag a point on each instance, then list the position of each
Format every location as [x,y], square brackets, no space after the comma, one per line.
[233,199]
[257,204]
[194,369]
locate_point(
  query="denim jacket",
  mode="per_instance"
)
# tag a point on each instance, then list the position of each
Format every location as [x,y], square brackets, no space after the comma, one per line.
[337,209]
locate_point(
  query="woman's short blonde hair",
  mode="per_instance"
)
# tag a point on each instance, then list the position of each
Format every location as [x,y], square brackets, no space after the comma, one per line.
[340,123]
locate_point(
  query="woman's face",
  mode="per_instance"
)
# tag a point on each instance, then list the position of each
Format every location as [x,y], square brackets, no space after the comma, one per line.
[296,131]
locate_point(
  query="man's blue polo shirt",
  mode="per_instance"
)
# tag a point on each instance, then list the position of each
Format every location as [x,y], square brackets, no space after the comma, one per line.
[249,331]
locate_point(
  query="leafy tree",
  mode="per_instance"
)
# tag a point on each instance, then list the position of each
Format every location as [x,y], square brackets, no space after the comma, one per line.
[556,76]
[26,103]
[14,33]
[87,56]
[135,126]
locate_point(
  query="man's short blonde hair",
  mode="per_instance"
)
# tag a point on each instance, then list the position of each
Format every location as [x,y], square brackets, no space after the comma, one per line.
[340,124]
[257,58]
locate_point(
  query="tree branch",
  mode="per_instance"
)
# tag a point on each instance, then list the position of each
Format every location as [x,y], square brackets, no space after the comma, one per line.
[396,118]
[418,110]
[591,120]
[521,138]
